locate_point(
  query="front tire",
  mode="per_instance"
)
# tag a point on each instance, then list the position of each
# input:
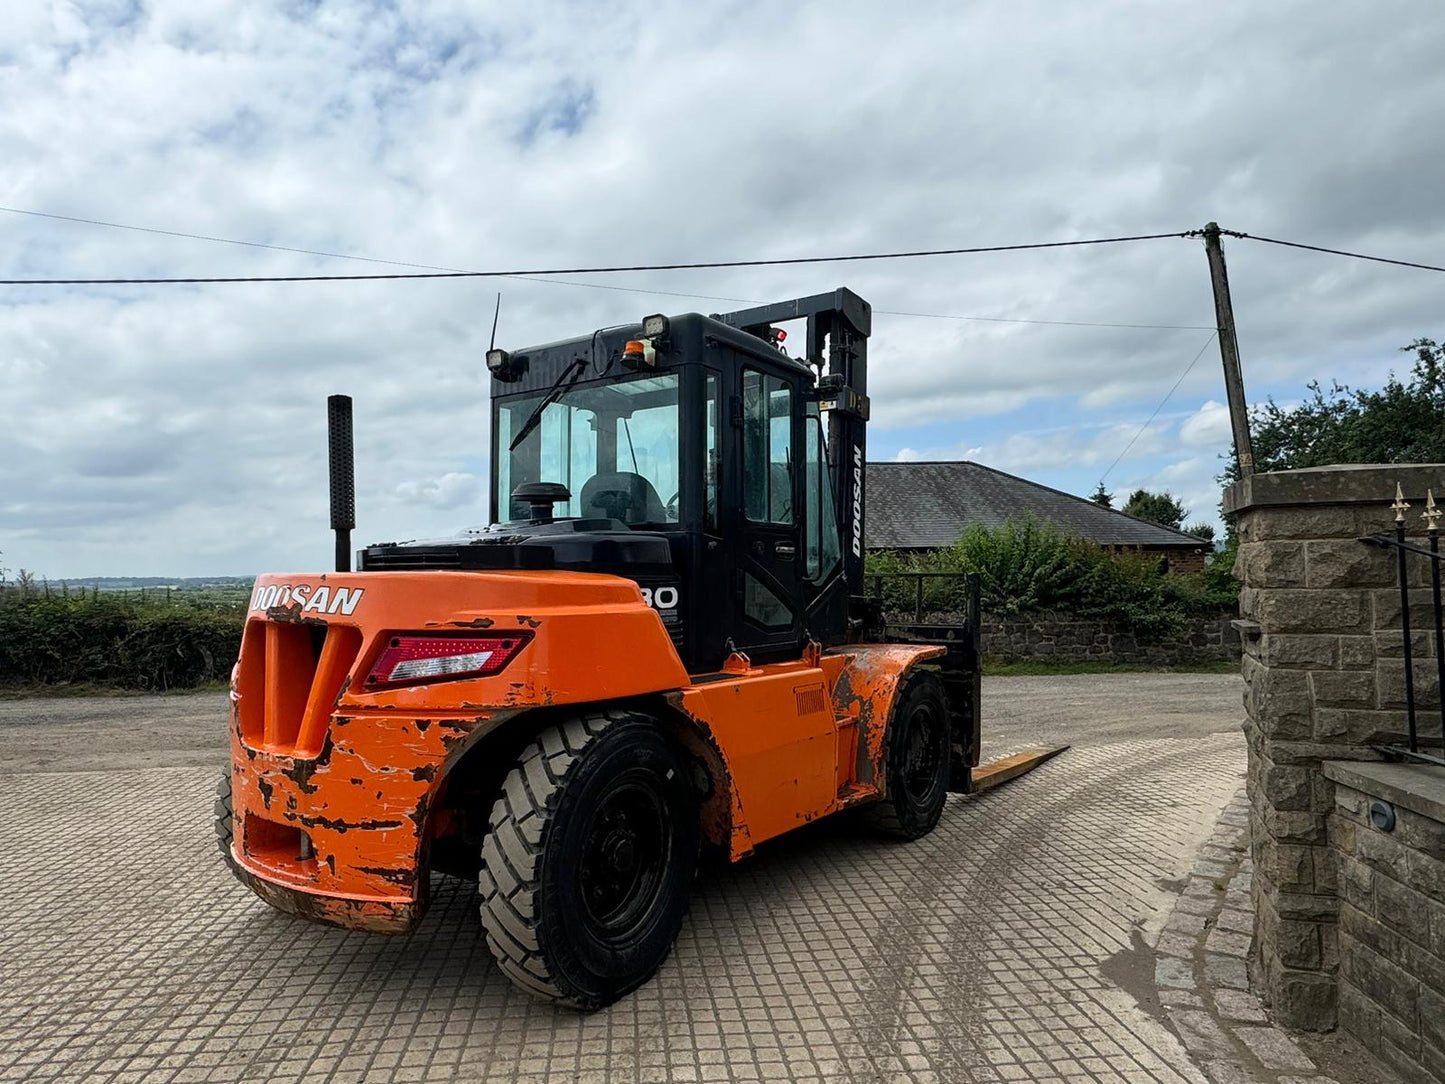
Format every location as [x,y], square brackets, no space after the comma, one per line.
[588,862]
[223,816]
[919,748]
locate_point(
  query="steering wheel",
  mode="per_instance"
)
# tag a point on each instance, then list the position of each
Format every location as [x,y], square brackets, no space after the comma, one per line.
[671,507]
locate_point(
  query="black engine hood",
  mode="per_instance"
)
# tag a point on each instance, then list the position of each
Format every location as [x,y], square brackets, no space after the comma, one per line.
[579,545]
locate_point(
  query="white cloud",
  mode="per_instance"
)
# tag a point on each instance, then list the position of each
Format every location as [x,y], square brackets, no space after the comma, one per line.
[1207,427]
[181,429]
[452,490]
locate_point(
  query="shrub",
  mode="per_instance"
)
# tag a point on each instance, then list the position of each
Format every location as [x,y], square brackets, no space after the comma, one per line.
[1034,566]
[117,641]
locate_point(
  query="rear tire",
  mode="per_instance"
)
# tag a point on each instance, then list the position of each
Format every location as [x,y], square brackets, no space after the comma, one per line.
[589,859]
[918,751]
[223,815]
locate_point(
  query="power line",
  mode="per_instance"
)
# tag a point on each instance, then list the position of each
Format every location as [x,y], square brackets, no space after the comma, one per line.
[1187,369]
[1332,251]
[563,282]
[1052,323]
[348,256]
[789,261]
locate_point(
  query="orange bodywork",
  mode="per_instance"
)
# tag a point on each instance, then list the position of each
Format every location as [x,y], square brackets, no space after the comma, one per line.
[338,789]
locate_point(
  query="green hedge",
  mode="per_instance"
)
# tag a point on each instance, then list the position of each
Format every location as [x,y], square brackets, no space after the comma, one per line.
[1034,566]
[113,641]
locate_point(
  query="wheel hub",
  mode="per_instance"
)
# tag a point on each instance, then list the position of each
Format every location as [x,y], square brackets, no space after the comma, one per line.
[623,856]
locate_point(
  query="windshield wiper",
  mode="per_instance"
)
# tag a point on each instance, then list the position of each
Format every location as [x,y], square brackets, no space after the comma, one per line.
[553,394]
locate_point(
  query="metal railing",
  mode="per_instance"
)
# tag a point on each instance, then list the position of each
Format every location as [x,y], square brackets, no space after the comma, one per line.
[962,599]
[1403,550]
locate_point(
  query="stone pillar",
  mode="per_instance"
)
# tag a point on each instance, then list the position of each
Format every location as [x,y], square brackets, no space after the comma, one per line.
[1320,621]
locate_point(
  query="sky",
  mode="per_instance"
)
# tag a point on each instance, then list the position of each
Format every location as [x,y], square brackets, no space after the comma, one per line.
[180,430]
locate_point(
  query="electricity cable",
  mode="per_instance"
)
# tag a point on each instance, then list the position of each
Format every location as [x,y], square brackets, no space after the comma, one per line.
[1331,251]
[566,282]
[787,261]
[1167,396]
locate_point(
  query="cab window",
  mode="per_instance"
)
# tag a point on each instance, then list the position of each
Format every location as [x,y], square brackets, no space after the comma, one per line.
[767,448]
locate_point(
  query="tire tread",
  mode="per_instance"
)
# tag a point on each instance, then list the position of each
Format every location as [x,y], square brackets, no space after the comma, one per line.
[512,849]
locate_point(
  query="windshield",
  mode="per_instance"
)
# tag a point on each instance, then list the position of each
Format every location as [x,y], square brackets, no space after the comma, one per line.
[614,446]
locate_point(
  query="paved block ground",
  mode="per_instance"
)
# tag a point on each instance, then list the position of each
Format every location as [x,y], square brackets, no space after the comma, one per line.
[1008,945]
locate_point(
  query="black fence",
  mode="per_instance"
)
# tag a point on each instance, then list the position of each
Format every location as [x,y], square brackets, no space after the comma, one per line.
[1405,553]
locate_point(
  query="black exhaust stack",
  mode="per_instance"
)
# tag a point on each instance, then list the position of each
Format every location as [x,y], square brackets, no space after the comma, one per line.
[343,476]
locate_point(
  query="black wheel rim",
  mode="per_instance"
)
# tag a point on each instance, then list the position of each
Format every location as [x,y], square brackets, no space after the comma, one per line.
[923,753]
[625,853]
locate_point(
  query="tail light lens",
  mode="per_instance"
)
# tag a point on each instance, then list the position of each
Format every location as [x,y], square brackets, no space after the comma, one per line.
[414,660]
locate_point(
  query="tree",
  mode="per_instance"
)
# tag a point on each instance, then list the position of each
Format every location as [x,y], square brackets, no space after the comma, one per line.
[1403,422]
[1160,508]
[1100,497]
[1201,530]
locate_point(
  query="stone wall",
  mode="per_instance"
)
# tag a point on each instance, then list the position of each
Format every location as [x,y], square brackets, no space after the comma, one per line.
[1391,875]
[1323,676]
[1051,636]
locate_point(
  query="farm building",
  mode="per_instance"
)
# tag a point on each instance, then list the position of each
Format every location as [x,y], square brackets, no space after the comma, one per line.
[925,506]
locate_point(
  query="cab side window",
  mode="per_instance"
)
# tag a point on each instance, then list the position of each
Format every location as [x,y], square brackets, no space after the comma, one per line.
[822,547]
[767,448]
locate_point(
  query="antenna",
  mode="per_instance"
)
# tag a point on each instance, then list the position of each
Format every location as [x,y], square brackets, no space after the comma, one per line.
[495,317]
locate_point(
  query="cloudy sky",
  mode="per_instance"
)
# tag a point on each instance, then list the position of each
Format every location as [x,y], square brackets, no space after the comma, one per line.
[181,430]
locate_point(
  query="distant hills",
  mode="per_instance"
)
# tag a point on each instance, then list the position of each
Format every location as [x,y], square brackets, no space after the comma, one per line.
[132,583]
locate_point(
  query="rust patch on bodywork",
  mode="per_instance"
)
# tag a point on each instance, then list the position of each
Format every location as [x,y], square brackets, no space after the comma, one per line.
[863,695]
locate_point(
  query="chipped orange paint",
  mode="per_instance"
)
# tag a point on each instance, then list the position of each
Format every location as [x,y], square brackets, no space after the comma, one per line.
[334,784]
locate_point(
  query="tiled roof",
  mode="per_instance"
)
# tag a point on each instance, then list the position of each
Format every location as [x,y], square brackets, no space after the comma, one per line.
[925,505]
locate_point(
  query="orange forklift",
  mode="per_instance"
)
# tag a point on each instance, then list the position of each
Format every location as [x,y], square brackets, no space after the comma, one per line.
[662,642]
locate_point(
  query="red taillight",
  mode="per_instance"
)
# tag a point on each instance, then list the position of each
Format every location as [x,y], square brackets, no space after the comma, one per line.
[413,660]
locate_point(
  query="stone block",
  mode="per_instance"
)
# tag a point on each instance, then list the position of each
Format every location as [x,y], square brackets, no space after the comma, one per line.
[1386,609]
[1312,752]
[1288,786]
[1279,703]
[1271,564]
[1424,872]
[1390,643]
[1359,927]
[1298,651]
[1357,884]
[1359,1015]
[1383,853]
[1306,1000]
[1299,610]
[1306,522]
[1327,862]
[1340,832]
[1391,673]
[1351,803]
[1308,906]
[1403,910]
[1400,1048]
[1360,727]
[1348,563]
[1297,944]
[1357,652]
[1432,1017]
[1292,826]
[1288,866]
[1424,834]
[1384,983]
[1424,965]
[1343,688]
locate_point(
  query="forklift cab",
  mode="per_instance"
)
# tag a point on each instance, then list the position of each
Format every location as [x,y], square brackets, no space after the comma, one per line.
[701,434]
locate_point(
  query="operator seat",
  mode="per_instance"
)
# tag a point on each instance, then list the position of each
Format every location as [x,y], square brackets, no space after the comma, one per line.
[622,495]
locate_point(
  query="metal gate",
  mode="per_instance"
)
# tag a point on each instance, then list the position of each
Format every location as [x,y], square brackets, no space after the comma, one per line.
[1405,553]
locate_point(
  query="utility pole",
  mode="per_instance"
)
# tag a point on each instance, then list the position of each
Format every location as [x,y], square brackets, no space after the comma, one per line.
[1229,352]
